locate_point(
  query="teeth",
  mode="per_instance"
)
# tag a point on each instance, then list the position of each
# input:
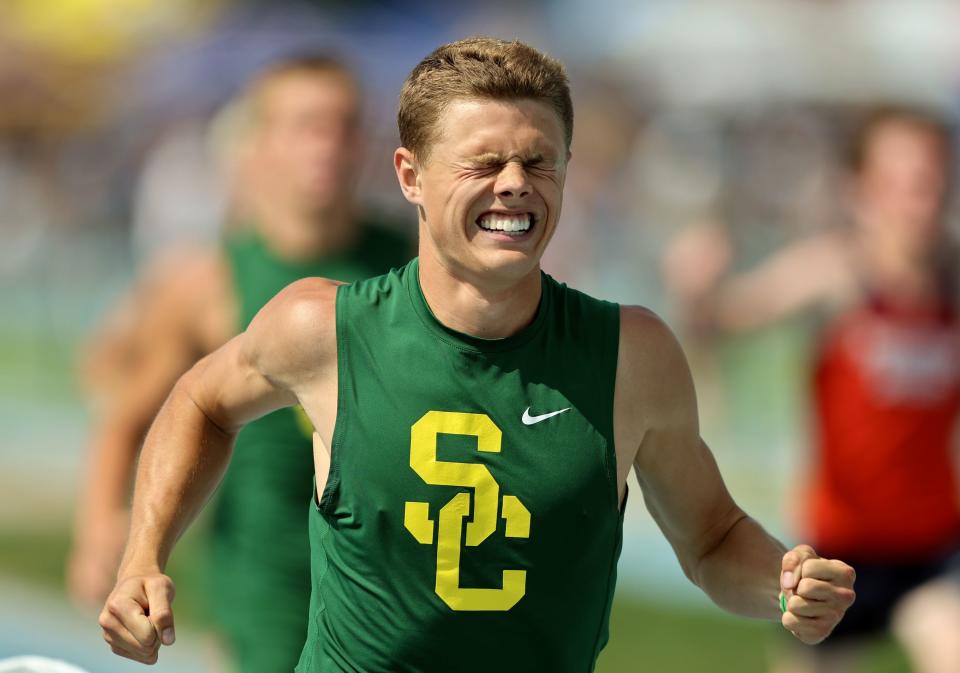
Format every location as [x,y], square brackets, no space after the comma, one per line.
[507,223]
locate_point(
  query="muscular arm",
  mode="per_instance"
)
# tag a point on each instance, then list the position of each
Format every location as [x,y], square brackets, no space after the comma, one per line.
[721,549]
[287,348]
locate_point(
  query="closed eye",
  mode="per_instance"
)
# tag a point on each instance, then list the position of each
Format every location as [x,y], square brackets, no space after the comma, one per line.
[541,165]
[483,166]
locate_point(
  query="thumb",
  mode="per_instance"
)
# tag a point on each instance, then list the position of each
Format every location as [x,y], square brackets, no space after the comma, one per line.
[160,594]
[791,565]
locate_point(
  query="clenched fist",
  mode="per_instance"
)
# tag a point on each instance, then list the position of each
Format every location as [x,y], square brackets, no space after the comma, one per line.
[137,617]
[816,593]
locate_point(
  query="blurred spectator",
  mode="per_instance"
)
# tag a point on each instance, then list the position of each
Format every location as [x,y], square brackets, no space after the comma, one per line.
[593,246]
[299,156]
[883,485]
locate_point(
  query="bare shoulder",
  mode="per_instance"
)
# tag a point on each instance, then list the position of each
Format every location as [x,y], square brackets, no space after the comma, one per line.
[185,280]
[646,343]
[178,267]
[172,299]
[652,367]
[293,338]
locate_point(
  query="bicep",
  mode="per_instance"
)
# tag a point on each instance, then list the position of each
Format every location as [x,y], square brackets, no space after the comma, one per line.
[289,346]
[677,473]
[231,389]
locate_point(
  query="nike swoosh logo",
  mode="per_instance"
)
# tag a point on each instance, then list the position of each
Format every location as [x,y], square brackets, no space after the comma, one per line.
[533,420]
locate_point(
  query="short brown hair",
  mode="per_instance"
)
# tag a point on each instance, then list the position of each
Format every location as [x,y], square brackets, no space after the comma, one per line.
[879,117]
[303,63]
[477,68]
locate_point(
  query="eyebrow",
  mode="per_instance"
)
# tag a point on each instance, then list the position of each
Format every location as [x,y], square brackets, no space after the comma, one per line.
[493,158]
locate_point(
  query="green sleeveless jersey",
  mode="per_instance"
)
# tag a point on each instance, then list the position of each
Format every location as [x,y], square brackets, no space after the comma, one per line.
[259,542]
[470,519]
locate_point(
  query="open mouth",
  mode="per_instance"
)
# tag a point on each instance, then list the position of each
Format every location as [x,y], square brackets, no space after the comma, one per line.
[511,224]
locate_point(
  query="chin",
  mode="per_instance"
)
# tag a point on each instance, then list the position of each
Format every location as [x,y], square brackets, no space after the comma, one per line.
[509,264]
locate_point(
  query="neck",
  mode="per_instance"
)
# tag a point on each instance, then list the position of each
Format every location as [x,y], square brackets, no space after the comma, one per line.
[481,309]
[894,266]
[298,234]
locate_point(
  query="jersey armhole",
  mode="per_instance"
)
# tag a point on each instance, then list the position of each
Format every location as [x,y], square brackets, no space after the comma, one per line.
[610,457]
[327,499]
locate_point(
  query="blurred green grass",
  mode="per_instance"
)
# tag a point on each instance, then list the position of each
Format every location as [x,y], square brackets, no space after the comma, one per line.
[645,635]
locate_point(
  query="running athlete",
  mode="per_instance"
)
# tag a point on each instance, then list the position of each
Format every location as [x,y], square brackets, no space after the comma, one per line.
[886,390]
[303,151]
[475,422]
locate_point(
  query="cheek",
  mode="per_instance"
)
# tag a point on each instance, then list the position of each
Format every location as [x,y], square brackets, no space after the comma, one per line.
[288,153]
[552,195]
[460,198]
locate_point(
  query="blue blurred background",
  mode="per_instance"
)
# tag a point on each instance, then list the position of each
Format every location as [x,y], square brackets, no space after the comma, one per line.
[688,111]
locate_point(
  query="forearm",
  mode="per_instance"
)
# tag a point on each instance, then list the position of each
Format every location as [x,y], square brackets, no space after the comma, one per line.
[183,459]
[741,573]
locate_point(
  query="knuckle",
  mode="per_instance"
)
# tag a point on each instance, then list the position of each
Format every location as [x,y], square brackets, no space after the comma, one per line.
[161,586]
[143,651]
[113,607]
[123,653]
[105,620]
[159,582]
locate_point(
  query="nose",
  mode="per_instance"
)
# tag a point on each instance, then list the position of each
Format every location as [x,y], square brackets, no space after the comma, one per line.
[512,181]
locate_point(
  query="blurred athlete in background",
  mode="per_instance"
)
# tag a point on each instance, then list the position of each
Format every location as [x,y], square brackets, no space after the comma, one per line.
[886,384]
[299,164]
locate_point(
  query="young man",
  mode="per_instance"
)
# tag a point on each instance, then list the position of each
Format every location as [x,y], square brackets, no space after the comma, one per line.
[301,153]
[886,389]
[475,422]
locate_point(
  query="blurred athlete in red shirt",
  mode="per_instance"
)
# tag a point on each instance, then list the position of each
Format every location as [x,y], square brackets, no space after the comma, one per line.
[886,385]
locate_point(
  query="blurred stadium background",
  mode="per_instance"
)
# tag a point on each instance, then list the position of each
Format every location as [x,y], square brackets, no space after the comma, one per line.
[688,111]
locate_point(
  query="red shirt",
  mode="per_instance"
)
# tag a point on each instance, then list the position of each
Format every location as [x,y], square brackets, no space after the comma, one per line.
[886,401]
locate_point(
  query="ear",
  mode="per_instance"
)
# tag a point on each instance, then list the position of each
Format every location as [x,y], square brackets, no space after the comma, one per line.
[408,175]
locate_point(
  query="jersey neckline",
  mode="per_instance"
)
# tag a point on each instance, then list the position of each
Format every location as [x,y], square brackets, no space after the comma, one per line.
[469,342]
